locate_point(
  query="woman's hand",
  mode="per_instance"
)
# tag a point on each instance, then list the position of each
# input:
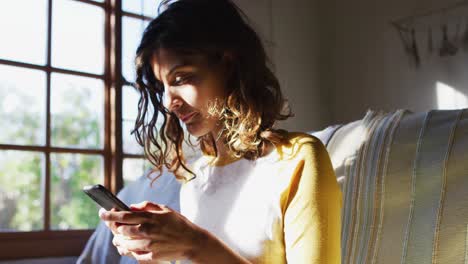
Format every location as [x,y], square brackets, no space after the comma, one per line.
[152,232]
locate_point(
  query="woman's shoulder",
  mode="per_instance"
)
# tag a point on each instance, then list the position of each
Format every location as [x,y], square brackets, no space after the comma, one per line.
[301,138]
[300,144]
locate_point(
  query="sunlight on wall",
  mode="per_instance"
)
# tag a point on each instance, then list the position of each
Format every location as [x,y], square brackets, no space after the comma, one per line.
[449,98]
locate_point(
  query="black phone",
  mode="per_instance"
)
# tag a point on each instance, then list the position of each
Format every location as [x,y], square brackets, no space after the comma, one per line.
[105,198]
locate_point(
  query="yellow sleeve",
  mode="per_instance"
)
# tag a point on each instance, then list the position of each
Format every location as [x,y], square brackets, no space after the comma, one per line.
[312,209]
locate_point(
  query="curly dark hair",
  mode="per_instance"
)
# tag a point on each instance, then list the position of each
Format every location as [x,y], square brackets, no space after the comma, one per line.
[254,103]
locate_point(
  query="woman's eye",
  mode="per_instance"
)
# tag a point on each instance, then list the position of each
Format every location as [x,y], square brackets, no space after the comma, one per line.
[179,80]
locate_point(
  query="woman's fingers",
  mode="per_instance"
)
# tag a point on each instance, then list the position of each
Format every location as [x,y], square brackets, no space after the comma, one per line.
[137,245]
[140,205]
[126,217]
[102,211]
[111,225]
[160,255]
[124,252]
[150,232]
[140,230]
[143,231]
[144,245]
[147,206]
[117,241]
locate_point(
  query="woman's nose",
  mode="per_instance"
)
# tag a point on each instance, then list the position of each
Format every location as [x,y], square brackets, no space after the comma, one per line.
[172,101]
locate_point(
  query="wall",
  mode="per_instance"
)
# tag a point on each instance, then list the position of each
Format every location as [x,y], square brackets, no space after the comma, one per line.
[290,32]
[296,56]
[363,64]
[336,59]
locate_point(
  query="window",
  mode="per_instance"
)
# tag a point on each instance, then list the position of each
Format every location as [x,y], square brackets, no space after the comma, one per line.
[65,66]
[132,28]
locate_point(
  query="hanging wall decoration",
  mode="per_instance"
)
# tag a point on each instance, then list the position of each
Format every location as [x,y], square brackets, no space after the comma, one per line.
[453,36]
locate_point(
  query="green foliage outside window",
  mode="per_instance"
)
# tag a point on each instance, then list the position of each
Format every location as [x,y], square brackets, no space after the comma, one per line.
[21,172]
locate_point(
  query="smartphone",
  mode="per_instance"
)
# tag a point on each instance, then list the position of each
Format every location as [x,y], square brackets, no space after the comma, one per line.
[105,198]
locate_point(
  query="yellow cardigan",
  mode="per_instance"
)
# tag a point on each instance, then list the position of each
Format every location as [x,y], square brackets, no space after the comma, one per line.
[311,205]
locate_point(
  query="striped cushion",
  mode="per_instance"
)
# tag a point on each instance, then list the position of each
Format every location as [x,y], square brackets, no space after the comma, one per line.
[405,188]
[343,146]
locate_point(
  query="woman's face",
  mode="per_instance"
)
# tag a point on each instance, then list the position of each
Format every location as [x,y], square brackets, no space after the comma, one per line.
[191,85]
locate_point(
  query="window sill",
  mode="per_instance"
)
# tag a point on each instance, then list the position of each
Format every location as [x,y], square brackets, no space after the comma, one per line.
[38,244]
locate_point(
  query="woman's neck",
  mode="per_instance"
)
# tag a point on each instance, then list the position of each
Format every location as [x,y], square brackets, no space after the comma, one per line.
[225,155]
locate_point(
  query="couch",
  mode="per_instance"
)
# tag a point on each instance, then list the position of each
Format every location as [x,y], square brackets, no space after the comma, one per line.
[404,179]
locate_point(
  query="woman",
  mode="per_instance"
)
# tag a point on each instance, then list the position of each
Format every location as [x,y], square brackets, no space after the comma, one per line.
[257,194]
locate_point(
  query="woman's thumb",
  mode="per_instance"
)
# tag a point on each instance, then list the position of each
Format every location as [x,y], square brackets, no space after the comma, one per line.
[145,206]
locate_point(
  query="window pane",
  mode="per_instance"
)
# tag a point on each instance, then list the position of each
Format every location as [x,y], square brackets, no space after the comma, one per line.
[130,97]
[77,106]
[150,7]
[22,106]
[134,169]
[20,191]
[141,7]
[71,208]
[78,36]
[132,6]
[132,30]
[23,22]
[130,145]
